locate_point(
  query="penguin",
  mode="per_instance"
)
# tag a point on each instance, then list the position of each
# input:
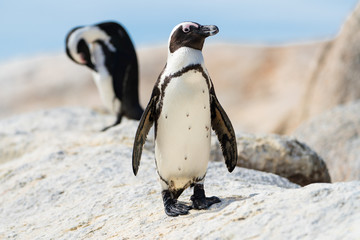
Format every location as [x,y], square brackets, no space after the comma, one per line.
[183,108]
[107,50]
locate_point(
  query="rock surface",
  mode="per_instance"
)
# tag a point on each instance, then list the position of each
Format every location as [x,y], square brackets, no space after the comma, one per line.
[63,179]
[335,135]
[284,156]
[336,78]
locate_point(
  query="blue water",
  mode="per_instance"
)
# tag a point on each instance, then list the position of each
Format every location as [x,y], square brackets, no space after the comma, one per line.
[32,27]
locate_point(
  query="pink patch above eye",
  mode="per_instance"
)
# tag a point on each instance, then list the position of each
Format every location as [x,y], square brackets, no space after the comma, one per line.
[186,26]
[82,58]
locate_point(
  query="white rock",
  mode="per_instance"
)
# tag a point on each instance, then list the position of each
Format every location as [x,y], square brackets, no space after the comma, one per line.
[335,135]
[70,181]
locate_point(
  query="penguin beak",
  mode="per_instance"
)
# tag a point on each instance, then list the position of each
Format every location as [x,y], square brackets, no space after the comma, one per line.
[208,30]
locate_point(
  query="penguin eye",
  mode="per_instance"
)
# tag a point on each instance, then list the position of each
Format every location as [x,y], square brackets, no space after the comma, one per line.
[186,29]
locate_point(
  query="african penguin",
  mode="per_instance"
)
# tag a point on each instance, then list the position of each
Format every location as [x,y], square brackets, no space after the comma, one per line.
[184,107]
[107,50]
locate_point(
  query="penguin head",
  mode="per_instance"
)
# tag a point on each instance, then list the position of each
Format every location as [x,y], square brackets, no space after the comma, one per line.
[190,34]
[77,47]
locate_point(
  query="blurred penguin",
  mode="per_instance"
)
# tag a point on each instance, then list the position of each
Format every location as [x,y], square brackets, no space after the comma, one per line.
[107,50]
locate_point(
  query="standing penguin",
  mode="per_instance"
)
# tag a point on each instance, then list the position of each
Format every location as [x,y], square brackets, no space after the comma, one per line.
[184,107]
[107,50]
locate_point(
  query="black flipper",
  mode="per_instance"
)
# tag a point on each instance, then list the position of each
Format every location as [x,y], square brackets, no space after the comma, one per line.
[146,122]
[222,126]
[130,106]
[118,64]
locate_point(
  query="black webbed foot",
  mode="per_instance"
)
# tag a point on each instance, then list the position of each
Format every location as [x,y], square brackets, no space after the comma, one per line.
[172,207]
[204,203]
[200,201]
[175,209]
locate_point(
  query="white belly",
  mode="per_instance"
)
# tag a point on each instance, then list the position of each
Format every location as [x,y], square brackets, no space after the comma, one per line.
[182,146]
[104,85]
[103,80]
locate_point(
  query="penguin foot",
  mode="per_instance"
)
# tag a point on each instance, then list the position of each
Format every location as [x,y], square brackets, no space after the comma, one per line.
[200,201]
[172,207]
[106,128]
[118,121]
[175,209]
[203,203]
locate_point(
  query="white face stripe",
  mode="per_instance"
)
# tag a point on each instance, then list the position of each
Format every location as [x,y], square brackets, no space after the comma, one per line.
[89,34]
[187,26]
[73,41]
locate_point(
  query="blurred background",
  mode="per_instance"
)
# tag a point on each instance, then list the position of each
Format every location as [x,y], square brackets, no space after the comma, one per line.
[262,62]
[32,27]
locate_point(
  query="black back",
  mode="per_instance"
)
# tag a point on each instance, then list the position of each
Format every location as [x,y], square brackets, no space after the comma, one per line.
[123,66]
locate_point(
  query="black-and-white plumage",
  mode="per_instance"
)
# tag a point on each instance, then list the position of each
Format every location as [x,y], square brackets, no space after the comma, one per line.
[107,50]
[184,108]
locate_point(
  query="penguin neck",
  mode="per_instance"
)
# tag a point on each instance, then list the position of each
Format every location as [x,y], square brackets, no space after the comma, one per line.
[98,58]
[183,57]
[95,34]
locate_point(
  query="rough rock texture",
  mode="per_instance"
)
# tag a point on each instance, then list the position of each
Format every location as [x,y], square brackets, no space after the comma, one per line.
[63,179]
[335,135]
[284,156]
[270,153]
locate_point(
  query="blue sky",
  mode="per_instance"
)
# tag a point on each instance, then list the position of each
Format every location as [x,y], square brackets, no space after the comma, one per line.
[38,26]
